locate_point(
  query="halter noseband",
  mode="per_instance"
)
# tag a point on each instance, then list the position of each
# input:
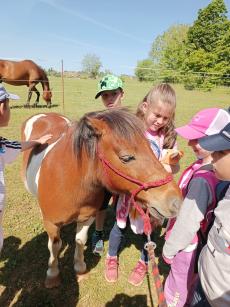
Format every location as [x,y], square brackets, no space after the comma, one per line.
[142,186]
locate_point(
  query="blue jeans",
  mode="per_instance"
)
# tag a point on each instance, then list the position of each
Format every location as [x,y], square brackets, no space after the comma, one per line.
[117,236]
[199,298]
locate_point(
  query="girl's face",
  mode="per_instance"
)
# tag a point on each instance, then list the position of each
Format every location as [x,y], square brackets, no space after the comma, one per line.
[221,164]
[157,116]
[112,99]
[198,150]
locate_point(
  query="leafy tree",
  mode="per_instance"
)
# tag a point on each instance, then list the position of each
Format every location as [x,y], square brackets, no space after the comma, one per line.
[207,46]
[209,28]
[222,52]
[145,70]
[91,65]
[198,55]
[168,50]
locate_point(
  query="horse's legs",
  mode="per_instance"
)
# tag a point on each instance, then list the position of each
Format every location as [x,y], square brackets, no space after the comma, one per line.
[81,238]
[27,104]
[38,96]
[32,89]
[54,246]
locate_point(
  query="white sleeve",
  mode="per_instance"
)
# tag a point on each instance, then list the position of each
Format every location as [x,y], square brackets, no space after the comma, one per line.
[9,150]
[10,154]
[192,212]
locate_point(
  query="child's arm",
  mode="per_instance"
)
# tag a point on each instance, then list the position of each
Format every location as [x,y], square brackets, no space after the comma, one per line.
[30,144]
[11,149]
[188,221]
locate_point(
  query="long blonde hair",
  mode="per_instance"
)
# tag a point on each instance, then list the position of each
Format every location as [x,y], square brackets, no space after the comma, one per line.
[165,93]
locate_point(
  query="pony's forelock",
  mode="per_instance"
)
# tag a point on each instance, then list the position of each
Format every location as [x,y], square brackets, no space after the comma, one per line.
[121,122]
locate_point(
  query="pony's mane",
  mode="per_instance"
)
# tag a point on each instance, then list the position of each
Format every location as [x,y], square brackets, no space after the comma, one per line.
[122,123]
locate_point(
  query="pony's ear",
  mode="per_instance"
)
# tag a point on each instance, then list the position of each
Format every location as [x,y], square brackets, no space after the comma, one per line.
[97,126]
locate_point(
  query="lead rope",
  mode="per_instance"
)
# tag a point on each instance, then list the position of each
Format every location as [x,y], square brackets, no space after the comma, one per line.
[150,247]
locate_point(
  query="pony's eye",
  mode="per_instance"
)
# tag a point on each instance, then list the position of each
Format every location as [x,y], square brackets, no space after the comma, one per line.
[126,158]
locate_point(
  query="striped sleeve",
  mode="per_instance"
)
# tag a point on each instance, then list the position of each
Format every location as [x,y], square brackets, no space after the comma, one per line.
[10,144]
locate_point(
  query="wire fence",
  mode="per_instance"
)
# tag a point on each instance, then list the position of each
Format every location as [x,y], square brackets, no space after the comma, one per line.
[63,83]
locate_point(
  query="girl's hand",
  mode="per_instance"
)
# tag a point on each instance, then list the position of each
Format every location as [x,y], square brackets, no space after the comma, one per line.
[43,139]
[172,156]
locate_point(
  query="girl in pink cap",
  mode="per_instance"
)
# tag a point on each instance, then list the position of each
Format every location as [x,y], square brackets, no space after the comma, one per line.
[187,232]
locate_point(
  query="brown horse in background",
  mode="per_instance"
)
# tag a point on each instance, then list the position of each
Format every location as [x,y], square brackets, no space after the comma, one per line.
[106,149]
[26,73]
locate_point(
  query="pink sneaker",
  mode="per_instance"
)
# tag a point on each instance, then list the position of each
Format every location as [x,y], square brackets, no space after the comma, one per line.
[111,268]
[138,274]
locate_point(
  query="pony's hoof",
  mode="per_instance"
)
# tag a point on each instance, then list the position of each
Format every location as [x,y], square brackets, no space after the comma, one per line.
[52,282]
[26,105]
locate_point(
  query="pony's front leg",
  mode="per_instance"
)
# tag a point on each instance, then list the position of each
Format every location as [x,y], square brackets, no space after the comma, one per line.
[54,246]
[81,238]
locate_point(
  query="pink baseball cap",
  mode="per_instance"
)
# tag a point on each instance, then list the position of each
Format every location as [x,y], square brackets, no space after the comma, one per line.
[206,122]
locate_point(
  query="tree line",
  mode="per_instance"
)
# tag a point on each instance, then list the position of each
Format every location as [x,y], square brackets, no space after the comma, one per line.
[197,56]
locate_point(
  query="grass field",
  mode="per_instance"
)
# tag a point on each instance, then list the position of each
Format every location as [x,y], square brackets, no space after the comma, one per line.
[24,257]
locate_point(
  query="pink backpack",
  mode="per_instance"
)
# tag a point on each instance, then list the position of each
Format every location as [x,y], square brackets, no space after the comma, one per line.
[195,170]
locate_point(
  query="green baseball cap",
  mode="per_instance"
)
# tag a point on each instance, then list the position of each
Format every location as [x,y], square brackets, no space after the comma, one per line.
[108,83]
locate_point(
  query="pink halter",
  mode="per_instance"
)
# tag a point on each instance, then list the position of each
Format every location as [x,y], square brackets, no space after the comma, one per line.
[142,186]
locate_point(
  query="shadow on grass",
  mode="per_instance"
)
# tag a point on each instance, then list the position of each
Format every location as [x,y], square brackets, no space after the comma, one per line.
[23,274]
[25,268]
[126,300]
[40,106]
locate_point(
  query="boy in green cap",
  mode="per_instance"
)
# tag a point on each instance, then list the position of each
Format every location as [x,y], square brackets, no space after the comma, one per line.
[110,88]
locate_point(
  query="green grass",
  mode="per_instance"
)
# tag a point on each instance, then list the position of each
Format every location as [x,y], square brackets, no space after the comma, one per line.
[23,261]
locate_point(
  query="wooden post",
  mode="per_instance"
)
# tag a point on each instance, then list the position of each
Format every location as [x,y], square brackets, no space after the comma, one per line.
[63,94]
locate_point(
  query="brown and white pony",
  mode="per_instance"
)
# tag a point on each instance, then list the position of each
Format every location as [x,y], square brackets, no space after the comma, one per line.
[105,149]
[26,73]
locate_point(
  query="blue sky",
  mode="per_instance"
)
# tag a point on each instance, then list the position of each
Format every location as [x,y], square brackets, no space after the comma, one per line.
[119,32]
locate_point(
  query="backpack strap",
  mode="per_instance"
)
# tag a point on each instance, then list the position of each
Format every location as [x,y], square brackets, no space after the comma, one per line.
[209,176]
[208,220]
